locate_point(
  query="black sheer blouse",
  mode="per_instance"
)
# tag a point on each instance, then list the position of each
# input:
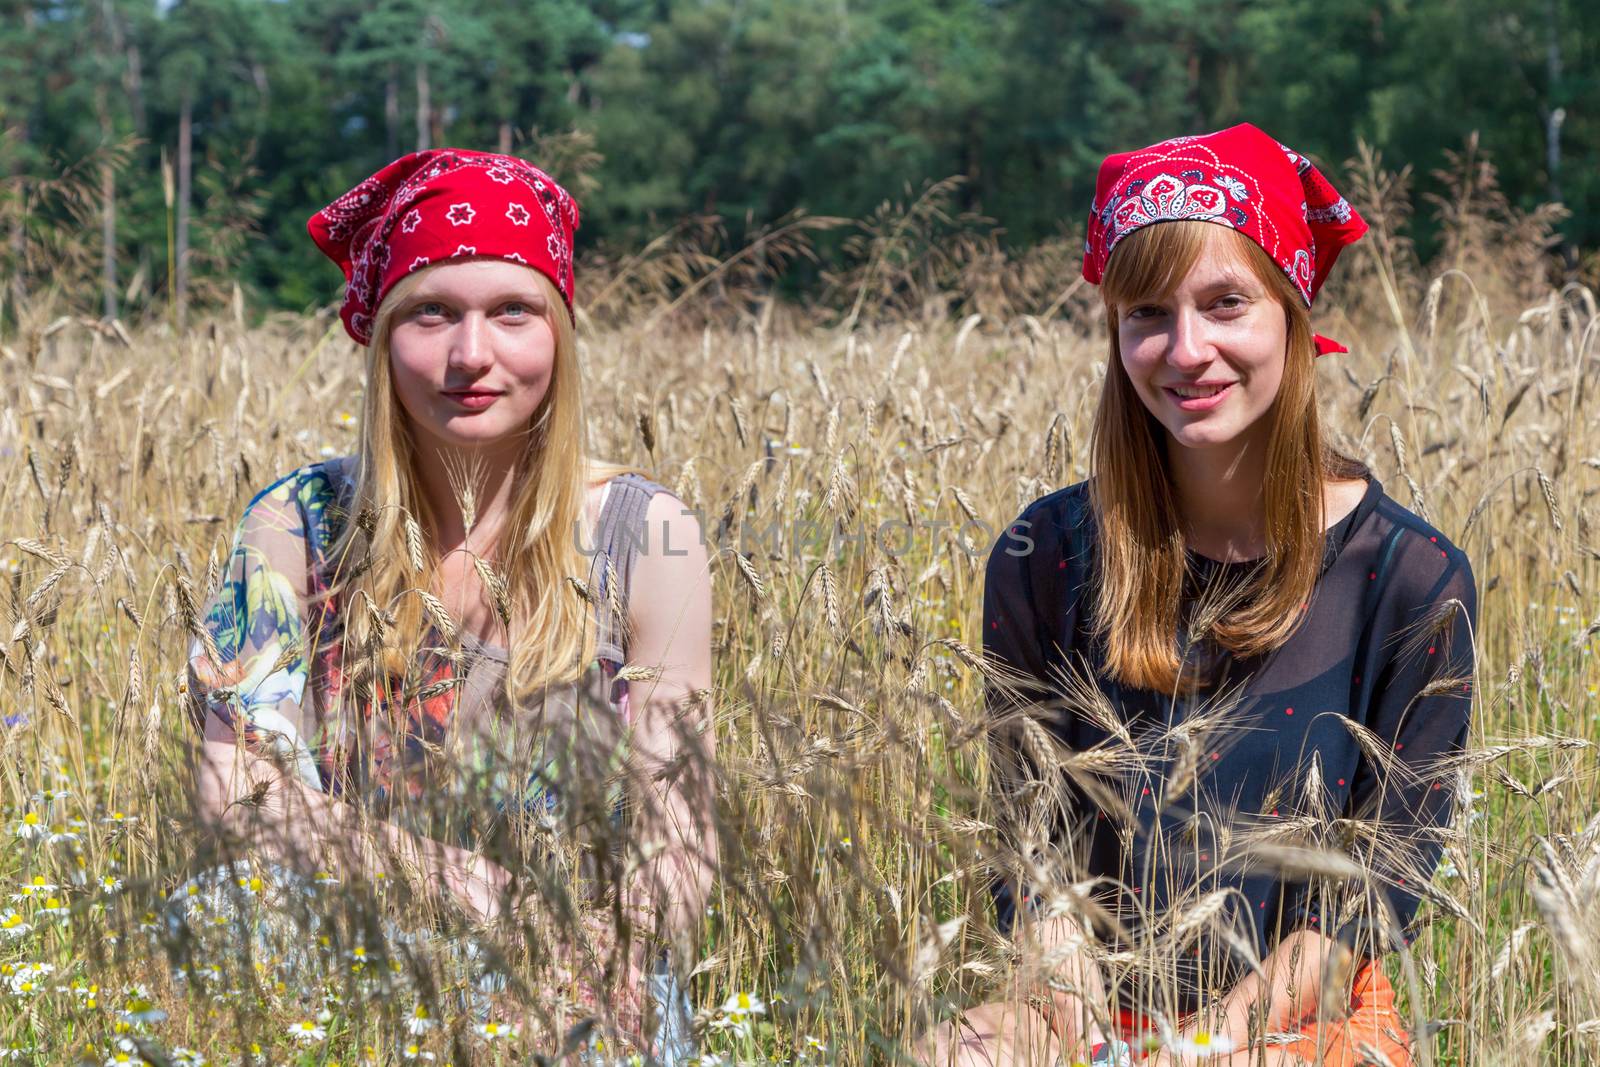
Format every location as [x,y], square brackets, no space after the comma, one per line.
[1386,645]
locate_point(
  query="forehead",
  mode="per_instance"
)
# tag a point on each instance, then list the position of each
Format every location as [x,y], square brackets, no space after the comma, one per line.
[1160,259]
[468,278]
[1223,257]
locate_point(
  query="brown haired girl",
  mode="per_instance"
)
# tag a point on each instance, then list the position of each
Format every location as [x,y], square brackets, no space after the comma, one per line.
[1269,650]
[428,655]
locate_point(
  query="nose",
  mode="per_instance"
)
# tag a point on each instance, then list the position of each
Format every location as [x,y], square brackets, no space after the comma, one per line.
[1189,348]
[469,345]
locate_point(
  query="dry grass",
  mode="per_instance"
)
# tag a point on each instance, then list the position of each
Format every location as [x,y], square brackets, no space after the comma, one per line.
[857,824]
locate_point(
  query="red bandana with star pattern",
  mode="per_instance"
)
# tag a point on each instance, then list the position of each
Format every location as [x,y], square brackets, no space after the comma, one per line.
[442,204]
[1238,177]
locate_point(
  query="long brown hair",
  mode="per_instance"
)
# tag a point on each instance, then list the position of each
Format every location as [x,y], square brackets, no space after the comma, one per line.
[1141,560]
[550,631]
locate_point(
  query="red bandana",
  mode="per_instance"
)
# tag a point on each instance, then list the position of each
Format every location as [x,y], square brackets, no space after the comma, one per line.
[443,204]
[1237,177]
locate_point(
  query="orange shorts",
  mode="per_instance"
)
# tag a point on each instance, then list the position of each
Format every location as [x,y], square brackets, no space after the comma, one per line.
[1374,1025]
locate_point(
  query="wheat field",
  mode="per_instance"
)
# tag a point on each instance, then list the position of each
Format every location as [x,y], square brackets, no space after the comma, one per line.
[942,384]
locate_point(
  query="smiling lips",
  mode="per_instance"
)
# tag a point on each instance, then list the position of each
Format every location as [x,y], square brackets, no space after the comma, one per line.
[1199,396]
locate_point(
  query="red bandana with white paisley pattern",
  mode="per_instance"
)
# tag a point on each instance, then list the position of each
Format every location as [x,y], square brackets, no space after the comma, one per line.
[442,204]
[1238,177]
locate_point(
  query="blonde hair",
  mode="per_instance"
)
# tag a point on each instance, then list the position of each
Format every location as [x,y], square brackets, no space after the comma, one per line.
[549,624]
[1141,559]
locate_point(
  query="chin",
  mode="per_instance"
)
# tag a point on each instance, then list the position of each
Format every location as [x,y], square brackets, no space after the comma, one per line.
[1202,436]
[472,434]
[465,433]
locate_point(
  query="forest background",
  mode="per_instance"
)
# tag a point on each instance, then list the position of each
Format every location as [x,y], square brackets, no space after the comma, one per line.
[158,153]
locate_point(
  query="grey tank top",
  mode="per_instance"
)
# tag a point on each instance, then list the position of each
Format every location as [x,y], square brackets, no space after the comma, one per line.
[620,536]
[566,742]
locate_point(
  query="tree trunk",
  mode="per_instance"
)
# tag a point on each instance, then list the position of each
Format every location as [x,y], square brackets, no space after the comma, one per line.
[505,137]
[1555,116]
[185,168]
[424,106]
[108,212]
[1553,121]
[133,80]
[391,113]
[108,238]
[1554,113]
[133,73]
[18,237]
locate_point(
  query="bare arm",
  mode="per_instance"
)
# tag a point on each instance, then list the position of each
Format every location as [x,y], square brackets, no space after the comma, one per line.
[1077,987]
[1281,996]
[248,802]
[672,741]
[1291,988]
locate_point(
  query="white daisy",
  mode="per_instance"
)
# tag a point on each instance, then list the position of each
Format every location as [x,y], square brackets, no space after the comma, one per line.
[141,1009]
[420,1021]
[1202,1043]
[37,887]
[306,1031]
[742,1003]
[492,1031]
[29,978]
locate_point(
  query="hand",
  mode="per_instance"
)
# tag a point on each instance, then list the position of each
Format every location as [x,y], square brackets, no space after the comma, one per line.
[565,998]
[597,942]
[477,884]
[573,986]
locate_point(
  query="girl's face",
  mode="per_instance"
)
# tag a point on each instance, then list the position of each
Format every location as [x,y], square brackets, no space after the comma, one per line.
[1208,359]
[472,351]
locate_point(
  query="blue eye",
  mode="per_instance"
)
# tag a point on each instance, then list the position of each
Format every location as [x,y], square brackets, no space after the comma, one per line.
[430,309]
[517,308]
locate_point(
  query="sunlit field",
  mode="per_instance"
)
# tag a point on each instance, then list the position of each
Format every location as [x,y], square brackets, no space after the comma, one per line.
[939,387]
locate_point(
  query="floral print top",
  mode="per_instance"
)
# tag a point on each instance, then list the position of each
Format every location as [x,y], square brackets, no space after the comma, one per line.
[431,744]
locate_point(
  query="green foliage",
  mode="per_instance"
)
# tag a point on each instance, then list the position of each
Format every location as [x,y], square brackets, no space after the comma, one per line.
[750,109]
